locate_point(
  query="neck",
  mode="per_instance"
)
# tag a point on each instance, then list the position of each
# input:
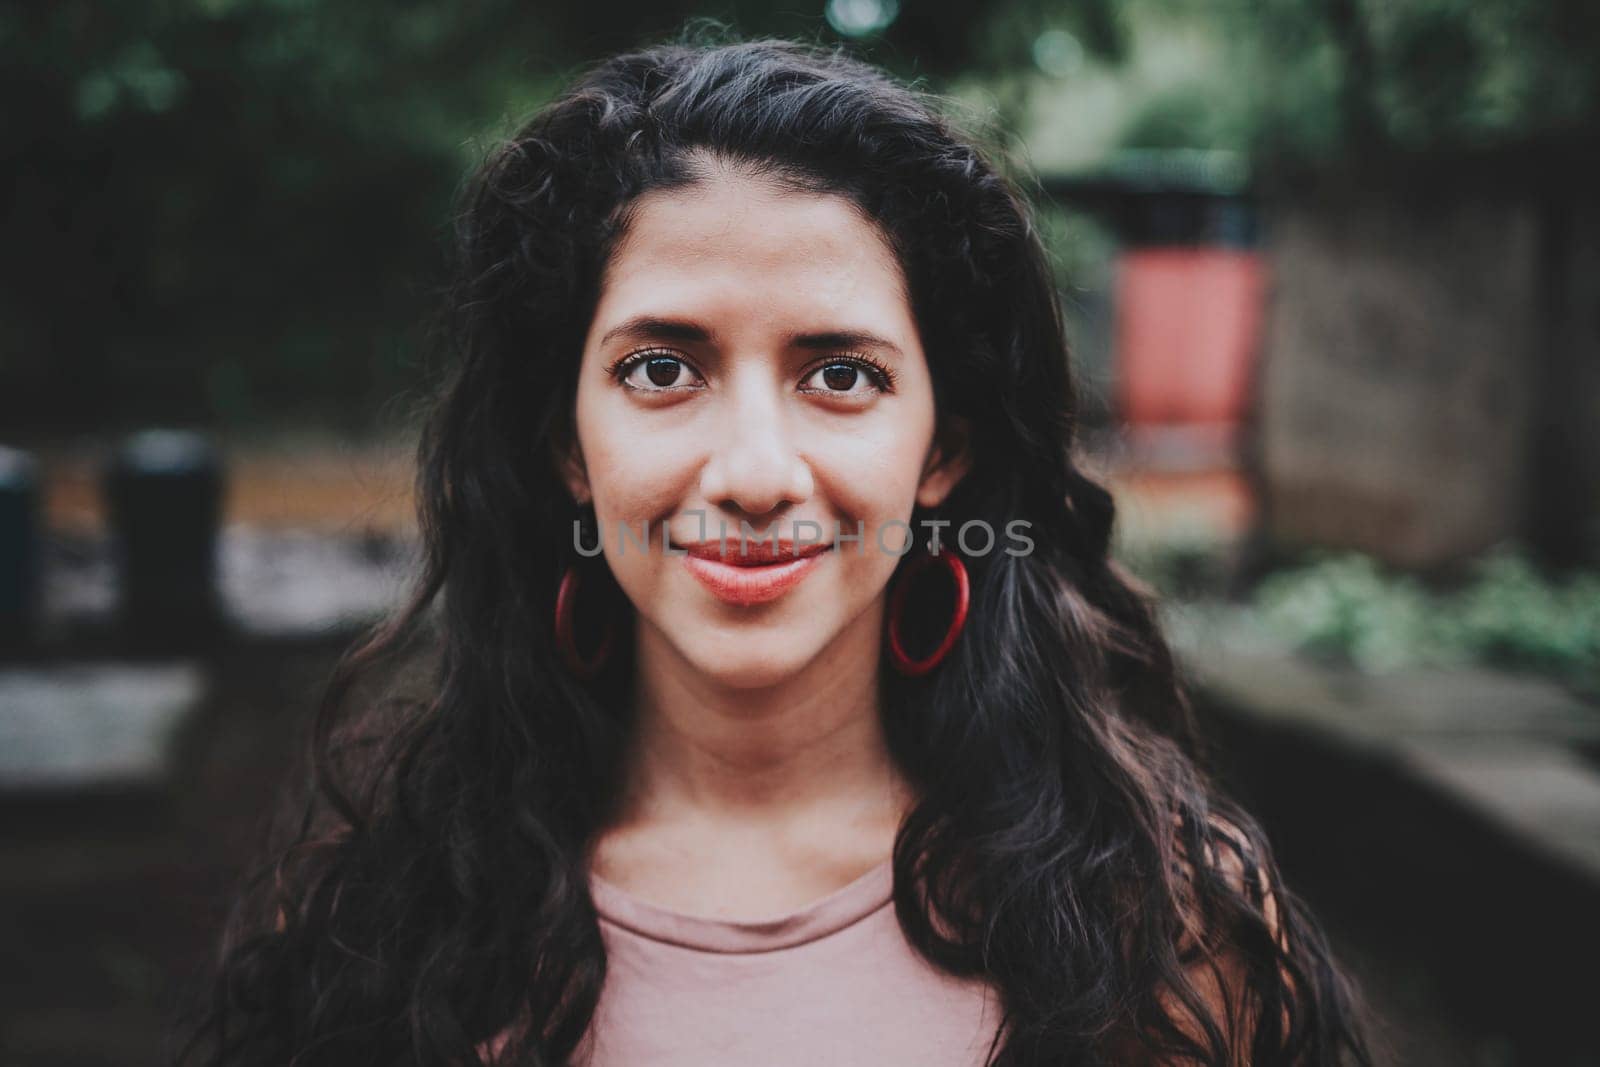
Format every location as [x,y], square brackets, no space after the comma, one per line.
[811,747]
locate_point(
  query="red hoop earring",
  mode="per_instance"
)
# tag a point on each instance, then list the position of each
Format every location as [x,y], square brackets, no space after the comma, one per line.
[566,630]
[903,663]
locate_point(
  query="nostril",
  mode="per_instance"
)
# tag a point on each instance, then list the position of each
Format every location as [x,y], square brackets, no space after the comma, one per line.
[758,491]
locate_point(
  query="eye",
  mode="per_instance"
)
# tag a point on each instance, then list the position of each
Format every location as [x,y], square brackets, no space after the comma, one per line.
[850,377]
[654,372]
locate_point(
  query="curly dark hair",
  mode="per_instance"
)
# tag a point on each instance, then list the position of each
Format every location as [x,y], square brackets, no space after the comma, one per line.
[1066,845]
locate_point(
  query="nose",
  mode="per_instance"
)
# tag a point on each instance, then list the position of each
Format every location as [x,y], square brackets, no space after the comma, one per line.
[754,468]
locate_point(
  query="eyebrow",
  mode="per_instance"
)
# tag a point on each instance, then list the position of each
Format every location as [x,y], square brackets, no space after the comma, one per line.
[651,327]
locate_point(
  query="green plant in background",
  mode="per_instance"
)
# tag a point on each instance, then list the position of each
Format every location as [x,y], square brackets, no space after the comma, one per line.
[1343,607]
[1320,81]
[1512,615]
[1506,614]
[1418,75]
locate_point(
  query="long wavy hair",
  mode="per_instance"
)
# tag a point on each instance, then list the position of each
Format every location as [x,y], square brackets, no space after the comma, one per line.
[430,892]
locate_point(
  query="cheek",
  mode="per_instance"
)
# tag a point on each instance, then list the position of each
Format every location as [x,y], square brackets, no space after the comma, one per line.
[877,493]
[636,471]
[871,472]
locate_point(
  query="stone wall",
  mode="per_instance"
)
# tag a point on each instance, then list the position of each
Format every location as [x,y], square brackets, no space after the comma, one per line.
[1428,385]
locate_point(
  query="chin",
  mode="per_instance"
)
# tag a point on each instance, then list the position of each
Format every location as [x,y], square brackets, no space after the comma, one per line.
[752,668]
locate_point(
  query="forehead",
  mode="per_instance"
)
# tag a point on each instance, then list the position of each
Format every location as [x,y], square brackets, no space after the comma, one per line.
[736,234]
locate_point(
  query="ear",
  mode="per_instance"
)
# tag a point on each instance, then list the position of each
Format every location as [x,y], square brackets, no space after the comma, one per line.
[568,461]
[949,459]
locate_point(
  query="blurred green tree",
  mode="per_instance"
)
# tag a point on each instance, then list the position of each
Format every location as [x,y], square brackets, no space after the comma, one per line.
[1343,76]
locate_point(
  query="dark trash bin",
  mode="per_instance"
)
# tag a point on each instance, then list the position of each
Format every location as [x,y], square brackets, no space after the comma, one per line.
[19,547]
[164,489]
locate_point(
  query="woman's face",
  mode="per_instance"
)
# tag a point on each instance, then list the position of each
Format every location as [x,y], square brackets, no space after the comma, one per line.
[753,359]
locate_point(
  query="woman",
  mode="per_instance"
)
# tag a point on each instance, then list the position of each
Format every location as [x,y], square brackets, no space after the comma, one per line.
[748,784]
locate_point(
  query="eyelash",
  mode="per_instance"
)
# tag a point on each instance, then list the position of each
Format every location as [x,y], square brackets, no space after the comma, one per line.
[881,374]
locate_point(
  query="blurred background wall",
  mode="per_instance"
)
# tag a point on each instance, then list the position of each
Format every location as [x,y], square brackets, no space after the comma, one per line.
[1330,268]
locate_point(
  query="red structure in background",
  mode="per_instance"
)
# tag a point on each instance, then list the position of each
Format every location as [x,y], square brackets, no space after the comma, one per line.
[1188,308]
[1188,327]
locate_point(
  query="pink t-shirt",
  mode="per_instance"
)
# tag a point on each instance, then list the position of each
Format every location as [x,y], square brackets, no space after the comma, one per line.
[835,983]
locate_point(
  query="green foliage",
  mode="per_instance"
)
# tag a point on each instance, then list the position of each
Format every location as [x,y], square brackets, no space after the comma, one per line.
[1344,607]
[1507,614]
[1323,82]
[227,209]
[1512,615]
[1421,75]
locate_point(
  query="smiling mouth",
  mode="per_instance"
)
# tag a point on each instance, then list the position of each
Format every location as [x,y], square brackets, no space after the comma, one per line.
[740,553]
[763,573]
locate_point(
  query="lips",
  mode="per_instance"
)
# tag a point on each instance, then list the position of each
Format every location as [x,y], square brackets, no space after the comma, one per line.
[764,572]
[752,553]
